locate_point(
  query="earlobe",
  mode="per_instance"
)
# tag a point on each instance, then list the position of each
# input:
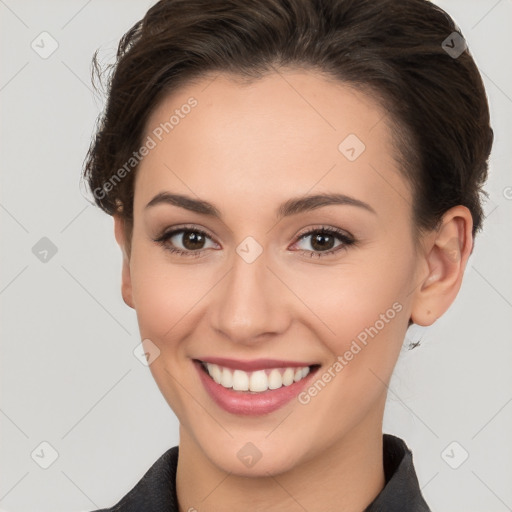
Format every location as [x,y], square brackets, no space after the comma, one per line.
[126,283]
[446,255]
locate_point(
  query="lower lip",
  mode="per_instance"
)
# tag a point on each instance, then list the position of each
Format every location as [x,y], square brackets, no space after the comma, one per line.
[249,403]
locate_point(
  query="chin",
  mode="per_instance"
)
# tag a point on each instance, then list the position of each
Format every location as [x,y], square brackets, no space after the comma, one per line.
[237,460]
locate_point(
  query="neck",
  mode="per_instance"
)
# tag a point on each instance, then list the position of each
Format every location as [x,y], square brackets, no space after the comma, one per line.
[347,476]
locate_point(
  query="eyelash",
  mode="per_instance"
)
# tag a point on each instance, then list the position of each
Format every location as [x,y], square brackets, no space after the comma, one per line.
[338,233]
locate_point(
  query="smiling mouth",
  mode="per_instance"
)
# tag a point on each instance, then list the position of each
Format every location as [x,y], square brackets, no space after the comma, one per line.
[258,381]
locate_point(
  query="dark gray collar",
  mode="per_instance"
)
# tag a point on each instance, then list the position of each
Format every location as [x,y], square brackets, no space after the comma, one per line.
[402,491]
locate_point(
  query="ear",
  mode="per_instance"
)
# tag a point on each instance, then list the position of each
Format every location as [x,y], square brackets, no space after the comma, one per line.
[126,282]
[445,255]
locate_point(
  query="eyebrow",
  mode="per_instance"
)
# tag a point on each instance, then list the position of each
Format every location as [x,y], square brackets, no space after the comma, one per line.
[292,206]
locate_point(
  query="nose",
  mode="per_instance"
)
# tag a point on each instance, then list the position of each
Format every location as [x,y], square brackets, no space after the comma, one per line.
[252,302]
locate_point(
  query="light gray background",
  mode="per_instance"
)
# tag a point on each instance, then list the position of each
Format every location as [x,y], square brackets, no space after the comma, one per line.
[68,373]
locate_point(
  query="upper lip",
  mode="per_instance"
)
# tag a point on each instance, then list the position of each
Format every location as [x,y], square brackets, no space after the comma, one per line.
[254,364]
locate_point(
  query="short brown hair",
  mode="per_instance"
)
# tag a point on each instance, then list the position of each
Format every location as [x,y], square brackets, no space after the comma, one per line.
[391,48]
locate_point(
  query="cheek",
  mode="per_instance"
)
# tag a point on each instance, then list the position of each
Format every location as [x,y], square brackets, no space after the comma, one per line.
[160,301]
[369,291]
[363,308]
[165,293]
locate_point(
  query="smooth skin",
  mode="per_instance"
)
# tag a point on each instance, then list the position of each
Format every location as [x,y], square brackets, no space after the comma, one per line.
[247,149]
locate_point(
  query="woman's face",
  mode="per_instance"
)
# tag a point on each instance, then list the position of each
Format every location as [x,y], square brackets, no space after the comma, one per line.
[259,285]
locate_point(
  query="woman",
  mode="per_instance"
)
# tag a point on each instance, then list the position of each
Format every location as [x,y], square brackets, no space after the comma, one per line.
[293,184]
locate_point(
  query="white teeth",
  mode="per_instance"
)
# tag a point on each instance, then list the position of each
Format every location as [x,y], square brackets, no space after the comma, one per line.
[257,381]
[288,376]
[215,372]
[275,381]
[240,381]
[227,378]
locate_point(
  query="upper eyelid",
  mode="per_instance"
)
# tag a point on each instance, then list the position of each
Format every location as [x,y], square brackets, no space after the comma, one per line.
[167,233]
[330,229]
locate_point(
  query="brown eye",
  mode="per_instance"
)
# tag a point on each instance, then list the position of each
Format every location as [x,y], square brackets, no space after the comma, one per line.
[323,241]
[192,241]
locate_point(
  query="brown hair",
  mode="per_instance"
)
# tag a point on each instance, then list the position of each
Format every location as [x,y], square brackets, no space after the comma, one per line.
[397,50]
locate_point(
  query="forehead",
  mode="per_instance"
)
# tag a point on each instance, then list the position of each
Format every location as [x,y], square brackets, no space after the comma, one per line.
[282,135]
